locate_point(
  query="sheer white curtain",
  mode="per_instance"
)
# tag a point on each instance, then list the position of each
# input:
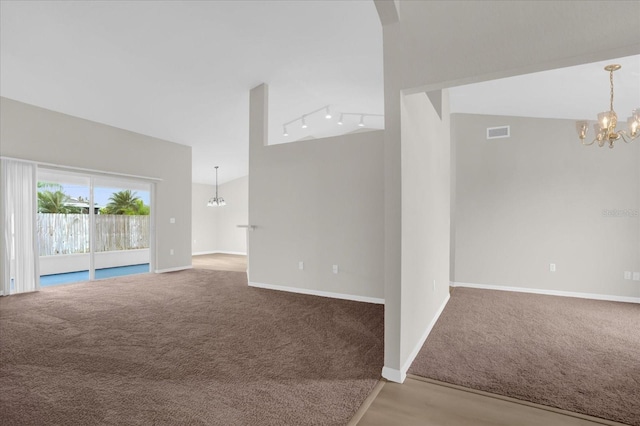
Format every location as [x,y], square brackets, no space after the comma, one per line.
[18,246]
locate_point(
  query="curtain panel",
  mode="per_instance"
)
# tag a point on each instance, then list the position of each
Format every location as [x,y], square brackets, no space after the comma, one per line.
[18,211]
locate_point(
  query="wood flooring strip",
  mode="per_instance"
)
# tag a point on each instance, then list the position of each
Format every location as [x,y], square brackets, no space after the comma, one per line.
[519,401]
[367,403]
[421,403]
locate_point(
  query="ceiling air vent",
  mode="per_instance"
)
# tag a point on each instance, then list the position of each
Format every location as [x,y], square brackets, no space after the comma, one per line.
[498,132]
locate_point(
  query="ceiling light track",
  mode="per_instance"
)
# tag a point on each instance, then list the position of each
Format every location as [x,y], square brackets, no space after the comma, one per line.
[605,127]
[327,114]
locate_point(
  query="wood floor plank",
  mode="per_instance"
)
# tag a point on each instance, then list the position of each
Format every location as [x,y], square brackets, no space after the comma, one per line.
[426,404]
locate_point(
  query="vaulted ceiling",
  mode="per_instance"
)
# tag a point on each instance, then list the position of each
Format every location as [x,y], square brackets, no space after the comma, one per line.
[182,71]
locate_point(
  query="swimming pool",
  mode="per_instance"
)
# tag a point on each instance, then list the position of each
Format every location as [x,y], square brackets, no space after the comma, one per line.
[74,277]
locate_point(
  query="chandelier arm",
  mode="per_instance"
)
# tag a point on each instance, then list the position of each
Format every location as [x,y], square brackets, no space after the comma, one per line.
[588,143]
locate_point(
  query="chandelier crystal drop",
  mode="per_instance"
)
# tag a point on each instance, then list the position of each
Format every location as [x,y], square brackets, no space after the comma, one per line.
[605,127]
[217,201]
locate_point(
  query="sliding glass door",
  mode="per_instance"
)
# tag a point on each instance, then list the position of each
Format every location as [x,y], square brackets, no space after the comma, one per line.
[63,229]
[123,228]
[91,227]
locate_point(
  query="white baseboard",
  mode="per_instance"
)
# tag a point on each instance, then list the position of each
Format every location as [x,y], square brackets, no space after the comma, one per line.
[177,268]
[399,375]
[200,253]
[594,296]
[353,297]
[394,375]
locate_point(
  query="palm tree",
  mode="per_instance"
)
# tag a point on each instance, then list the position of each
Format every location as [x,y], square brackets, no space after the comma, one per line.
[55,202]
[123,202]
[50,185]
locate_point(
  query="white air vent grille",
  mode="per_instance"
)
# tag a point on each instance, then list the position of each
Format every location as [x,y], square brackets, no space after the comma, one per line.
[498,132]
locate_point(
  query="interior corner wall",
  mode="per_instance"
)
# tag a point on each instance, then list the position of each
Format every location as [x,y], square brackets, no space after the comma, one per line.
[204,229]
[540,197]
[319,202]
[230,238]
[425,218]
[215,229]
[31,133]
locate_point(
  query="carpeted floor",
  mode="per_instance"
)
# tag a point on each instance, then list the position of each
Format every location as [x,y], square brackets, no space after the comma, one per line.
[220,262]
[576,354]
[195,347]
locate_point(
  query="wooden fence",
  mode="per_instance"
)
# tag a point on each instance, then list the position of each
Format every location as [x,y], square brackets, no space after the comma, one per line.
[69,233]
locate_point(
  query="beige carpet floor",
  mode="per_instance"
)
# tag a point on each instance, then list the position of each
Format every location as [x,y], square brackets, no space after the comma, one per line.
[196,347]
[575,354]
[220,262]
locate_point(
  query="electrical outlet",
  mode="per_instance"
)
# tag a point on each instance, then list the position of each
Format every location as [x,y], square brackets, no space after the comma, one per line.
[171,252]
[172,220]
[301,265]
[335,269]
[552,267]
[636,276]
[627,275]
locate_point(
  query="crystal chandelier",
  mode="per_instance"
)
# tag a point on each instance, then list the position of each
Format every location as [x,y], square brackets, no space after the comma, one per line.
[605,128]
[216,201]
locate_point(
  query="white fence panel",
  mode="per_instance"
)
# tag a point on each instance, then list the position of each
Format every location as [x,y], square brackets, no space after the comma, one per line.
[69,233]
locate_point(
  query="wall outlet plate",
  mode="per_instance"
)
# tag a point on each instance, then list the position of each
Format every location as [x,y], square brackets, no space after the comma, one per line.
[627,275]
[301,265]
[335,269]
[636,276]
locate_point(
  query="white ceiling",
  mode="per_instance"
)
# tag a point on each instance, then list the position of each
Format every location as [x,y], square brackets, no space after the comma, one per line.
[579,92]
[182,71]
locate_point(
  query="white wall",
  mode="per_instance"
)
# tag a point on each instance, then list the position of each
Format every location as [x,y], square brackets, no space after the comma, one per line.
[320,202]
[538,198]
[31,133]
[203,238]
[230,238]
[438,44]
[425,219]
[215,229]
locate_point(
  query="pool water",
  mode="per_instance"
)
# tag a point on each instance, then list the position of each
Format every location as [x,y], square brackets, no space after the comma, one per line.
[74,277]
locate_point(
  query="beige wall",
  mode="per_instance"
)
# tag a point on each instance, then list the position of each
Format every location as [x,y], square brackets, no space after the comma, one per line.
[31,133]
[319,202]
[538,198]
[425,218]
[215,229]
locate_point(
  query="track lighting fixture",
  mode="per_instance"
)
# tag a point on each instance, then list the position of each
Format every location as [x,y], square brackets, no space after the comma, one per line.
[328,116]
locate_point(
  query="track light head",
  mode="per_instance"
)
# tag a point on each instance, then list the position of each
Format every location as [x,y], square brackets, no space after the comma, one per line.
[361,123]
[328,114]
[340,122]
[284,131]
[304,122]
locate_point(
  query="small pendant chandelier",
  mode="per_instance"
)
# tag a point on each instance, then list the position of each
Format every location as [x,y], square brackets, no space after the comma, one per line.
[216,201]
[605,128]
